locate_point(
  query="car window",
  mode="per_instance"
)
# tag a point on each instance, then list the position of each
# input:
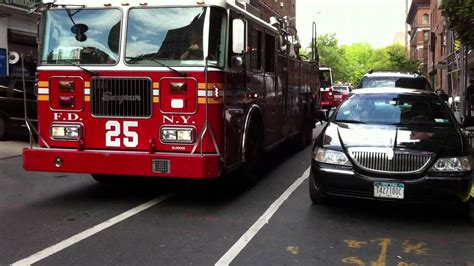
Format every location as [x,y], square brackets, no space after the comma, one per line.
[393,81]
[394,109]
[341,88]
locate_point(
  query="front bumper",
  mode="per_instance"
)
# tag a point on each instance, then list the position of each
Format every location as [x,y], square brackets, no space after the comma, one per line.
[349,183]
[122,163]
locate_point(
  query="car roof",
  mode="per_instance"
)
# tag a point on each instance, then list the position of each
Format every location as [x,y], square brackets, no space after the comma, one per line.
[392,74]
[396,90]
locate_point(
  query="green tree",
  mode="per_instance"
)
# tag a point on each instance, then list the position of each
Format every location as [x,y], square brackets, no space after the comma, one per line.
[350,62]
[331,55]
[358,58]
[460,17]
[393,57]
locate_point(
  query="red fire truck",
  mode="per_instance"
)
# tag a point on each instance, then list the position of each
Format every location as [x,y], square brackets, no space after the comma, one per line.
[186,89]
[327,92]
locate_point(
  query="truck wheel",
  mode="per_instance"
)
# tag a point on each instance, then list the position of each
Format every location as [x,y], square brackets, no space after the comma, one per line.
[252,169]
[316,193]
[304,137]
[3,128]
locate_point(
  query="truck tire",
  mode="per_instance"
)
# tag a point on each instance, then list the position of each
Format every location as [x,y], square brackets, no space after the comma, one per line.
[251,168]
[305,136]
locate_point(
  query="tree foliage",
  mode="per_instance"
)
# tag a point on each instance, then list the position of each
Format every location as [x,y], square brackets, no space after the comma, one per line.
[350,62]
[330,54]
[460,17]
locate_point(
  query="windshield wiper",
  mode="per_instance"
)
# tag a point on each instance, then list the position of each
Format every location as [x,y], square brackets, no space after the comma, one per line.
[90,72]
[349,121]
[151,57]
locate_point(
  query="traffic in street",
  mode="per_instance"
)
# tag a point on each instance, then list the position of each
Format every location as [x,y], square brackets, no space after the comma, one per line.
[69,219]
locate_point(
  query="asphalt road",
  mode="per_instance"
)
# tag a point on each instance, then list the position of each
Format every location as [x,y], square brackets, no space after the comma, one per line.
[68,219]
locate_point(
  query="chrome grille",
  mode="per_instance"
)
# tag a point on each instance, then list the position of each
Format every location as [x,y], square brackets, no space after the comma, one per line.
[162,166]
[377,160]
[123,97]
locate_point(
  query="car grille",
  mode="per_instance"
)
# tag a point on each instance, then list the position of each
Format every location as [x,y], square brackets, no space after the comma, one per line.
[121,97]
[402,161]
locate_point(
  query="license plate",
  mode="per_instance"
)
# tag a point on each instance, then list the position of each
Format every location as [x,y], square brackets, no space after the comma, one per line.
[389,190]
[338,96]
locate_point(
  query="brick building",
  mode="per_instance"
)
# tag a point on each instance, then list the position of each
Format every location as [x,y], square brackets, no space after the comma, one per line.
[437,68]
[419,20]
[270,8]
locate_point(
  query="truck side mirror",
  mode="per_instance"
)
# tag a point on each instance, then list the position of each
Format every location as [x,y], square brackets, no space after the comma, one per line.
[237,61]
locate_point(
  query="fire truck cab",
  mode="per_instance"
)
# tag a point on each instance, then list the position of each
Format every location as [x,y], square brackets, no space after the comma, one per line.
[327,92]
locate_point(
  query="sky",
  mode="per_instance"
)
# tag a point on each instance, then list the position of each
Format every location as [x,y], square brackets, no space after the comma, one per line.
[370,21]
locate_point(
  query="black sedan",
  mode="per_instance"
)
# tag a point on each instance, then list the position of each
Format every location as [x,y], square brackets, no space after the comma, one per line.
[392,144]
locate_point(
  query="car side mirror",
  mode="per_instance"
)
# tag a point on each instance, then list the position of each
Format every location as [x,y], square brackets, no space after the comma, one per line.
[444,97]
[321,115]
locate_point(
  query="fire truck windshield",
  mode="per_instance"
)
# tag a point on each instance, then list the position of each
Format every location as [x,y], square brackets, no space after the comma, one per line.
[175,36]
[81,36]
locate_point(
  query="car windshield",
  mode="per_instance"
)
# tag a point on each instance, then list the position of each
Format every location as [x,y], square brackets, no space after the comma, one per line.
[341,88]
[325,78]
[394,109]
[77,36]
[393,81]
[174,36]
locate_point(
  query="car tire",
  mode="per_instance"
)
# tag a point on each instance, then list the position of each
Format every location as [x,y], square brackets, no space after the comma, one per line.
[316,193]
[468,210]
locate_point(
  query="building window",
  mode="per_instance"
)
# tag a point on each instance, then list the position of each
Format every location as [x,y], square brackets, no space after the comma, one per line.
[426,36]
[425,19]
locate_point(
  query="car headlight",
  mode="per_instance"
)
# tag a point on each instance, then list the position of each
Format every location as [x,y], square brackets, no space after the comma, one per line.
[455,164]
[184,135]
[65,132]
[330,156]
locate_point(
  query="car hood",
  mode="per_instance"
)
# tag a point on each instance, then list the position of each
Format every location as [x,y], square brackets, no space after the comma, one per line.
[442,141]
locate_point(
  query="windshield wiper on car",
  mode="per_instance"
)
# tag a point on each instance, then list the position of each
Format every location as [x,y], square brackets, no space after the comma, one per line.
[349,121]
[152,58]
[90,72]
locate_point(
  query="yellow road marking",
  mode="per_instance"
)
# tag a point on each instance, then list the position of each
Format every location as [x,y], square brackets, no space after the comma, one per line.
[383,243]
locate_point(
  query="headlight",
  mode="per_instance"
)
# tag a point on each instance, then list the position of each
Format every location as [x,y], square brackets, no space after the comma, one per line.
[455,164]
[65,132]
[330,156]
[184,135]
